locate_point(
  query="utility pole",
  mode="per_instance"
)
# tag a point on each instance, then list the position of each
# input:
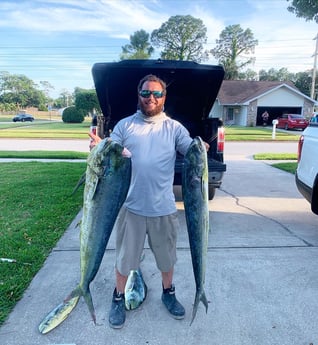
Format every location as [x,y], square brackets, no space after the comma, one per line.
[312,94]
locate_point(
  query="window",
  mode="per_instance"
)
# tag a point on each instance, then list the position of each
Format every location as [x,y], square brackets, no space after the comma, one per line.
[229,115]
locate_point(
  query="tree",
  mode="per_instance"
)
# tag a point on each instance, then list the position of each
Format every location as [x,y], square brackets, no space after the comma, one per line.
[86,101]
[233,42]
[276,75]
[249,74]
[20,90]
[307,9]
[182,38]
[64,100]
[303,81]
[139,47]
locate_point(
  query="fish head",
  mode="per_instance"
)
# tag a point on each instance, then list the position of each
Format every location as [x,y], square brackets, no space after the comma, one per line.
[133,300]
[107,153]
[105,159]
[196,158]
[131,281]
[196,162]
[135,290]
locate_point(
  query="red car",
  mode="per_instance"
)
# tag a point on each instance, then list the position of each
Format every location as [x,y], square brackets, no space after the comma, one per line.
[292,121]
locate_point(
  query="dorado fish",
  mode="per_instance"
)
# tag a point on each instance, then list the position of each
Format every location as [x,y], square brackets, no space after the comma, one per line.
[195,198]
[107,181]
[135,290]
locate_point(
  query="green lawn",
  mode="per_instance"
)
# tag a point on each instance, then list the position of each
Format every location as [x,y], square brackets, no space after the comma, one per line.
[287,166]
[36,209]
[275,156]
[44,154]
[47,130]
[235,133]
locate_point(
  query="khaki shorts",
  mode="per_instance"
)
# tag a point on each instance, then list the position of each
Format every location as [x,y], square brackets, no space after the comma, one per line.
[131,230]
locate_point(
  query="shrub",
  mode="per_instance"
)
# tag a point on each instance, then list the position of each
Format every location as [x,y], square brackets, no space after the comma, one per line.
[73,115]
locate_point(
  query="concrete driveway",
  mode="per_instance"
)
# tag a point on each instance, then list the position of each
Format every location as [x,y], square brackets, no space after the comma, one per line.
[261,280]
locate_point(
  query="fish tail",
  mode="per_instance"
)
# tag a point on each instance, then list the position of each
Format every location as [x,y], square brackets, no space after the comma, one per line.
[199,296]
[88,299]
[78,292]
[58,315]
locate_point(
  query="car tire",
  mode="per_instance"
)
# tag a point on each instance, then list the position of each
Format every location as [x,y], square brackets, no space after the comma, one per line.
[286,126]
[211,192]
[314,197]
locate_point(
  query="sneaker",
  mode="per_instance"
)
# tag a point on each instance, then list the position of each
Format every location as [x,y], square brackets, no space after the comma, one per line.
[172,304]
[117,314]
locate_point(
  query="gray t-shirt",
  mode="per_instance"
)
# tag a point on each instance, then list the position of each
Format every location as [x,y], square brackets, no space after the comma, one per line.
[153,143]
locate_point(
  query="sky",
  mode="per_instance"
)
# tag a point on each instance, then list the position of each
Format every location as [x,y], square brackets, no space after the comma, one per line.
[59,41]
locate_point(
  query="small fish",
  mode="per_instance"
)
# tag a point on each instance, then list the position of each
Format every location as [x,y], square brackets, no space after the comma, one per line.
[196,205]
[135,290]
[107,181]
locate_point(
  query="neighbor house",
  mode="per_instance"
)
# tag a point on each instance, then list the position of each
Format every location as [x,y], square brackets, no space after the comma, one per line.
[242,102]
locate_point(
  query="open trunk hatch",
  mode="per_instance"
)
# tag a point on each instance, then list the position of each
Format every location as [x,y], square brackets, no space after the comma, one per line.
[191,89]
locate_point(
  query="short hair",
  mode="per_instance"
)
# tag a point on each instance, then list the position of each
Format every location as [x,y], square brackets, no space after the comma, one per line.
[151,77]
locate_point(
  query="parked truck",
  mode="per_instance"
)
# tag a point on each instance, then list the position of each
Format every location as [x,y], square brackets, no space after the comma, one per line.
[191,91]
[307,169]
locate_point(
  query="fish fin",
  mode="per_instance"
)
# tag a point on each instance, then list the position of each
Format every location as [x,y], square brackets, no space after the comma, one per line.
[94,188]
[202,185]
[56,316]
[142,256]
[78,292]
[200,296]
[145,290]
[79,183]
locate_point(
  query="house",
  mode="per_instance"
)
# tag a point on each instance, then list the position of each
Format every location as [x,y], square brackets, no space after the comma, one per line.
[242,102]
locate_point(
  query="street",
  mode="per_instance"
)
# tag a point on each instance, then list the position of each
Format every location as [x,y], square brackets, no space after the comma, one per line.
[261,279]
[237,149]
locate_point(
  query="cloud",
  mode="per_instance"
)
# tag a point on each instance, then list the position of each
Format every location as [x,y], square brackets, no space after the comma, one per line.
[118,18]
[284,39]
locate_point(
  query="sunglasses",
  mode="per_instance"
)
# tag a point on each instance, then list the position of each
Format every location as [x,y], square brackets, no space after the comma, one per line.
[147,93]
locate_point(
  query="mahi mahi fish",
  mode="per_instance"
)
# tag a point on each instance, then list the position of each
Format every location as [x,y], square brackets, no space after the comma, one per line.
[135,290]
[107,181]
[195,198]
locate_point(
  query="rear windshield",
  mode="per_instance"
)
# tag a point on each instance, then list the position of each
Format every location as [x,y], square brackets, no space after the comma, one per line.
[296,116]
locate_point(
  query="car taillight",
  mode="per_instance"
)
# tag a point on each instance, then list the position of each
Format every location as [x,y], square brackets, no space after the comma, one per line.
[300,147]
[221,140]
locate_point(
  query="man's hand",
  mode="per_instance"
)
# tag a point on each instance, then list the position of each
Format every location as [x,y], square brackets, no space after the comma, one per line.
[95,139]
[207,146]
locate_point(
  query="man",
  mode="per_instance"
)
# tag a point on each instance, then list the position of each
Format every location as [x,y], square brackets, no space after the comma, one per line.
[265,117]
[153,139]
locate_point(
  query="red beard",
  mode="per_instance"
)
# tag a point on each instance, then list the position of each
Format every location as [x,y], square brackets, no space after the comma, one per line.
[155,111]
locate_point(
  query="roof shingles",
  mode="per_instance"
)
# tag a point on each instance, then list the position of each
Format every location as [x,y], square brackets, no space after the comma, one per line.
[240,91]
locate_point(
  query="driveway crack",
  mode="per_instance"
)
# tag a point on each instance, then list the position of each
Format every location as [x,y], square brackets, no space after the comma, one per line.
[238,203]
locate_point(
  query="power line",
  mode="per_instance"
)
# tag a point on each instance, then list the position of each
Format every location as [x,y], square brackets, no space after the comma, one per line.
[107,46]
